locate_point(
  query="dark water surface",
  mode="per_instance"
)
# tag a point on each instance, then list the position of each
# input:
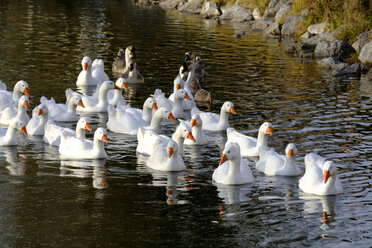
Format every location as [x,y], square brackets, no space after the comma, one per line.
[118,201]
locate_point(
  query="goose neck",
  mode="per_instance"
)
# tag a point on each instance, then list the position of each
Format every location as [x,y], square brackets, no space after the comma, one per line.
[80,132]
[262,139]
[71,107]
[224,118]
[234,167]
[179,140]
[155,123]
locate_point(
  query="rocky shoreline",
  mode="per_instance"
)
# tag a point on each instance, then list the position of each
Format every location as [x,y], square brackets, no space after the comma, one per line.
[317,42]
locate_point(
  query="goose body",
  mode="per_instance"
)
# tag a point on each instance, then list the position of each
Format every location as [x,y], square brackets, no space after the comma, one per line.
[121,63]
[233,170]
[320,177]
[161,100]
[64,112]
[215,122]
[273,164]
[20,113]
[249,146]
[165,157]
[53,132]
[8,136]
[85,77]
[37,124]
[9,98]
[98,71]
[133,76]
[72,147]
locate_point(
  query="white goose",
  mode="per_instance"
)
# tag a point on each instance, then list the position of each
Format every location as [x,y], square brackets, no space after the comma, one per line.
[74,148]
[251,147]
[197,131]
[64,112]
[215,122]
[85,77]
[53,132]
[92,104]
[233,170]
[161,100]
[9,137]
[165,157]
[20,113]
[10,99]
[273,164]
[148,139]
[177,109]
[98,71]
[2,85]
[320,176]
[114,96]
[37,124]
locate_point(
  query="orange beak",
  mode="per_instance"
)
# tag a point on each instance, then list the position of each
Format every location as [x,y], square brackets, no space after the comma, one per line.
[25,104]
[85,66]
[187,96]
[170,152]
[155,106]
[40,111]
[269,130]
[223,159]
[89,128]
[26,92]
[327,174]
[232,110]
[24,130]
[178,86]
[210,101]
[193,122]
[124,86]
[171,117]
[80,103]
[290,153]
[191,137]
[116,87]
[104,138]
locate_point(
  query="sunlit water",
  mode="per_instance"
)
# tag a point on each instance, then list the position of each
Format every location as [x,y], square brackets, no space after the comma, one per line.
[119,201]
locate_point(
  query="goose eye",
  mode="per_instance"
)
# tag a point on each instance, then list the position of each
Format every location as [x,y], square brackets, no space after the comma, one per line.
[228,151]
[21,123]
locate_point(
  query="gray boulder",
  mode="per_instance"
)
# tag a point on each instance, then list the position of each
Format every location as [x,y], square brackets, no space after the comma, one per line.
[338,49]
[332,63]
[305,36]
[261,24]
[315,39]
[284,9]
[192,6]
[319,28]
[290,24]
[171,4]
[273,29]
[236,13]
[256,14]
[274,6]
[365,55]
[210,9]
[300,49]
[349,71]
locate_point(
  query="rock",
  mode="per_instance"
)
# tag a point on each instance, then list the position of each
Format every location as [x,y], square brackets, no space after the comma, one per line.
[284,9]
[261,24]
[338,49]
[363,39]
[192,6]
[317,28]
[306,36]
[300,49]
[170,4]
[305,12]
[318,38]
[349,71]
[274,6]
[289,26]
[369,74]
[332,63]
[365,55]
[256,14]
[236,13]
[273,29]
[210,9]
[364,69]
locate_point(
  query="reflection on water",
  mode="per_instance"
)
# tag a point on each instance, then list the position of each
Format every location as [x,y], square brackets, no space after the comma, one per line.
[119,200]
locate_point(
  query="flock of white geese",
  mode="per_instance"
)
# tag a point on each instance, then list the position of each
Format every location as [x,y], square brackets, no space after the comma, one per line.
[165,153]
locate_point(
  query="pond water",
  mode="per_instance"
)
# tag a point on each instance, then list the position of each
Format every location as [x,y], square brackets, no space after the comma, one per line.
[119,201]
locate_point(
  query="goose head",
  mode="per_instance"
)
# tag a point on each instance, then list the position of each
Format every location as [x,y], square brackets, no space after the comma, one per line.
[189,56]
[101,134]
[165,114]
[196,120]
[183,130]
[329,170]
[42,110]
[231,152]
[22,86]
[23,101]
[109,85]
[19,125]
[121,84]
[172,148]
[290,150]
[266,128]
[77,100]
[83,123]
[178,83]
[130,50]
[86,63]
[181,94]
[150,103]
[228,107]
